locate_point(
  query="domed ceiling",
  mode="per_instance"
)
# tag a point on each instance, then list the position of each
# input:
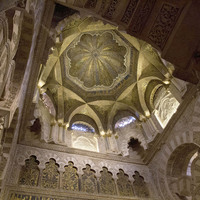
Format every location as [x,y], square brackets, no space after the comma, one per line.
[99,63]
[97,71]
[94,64]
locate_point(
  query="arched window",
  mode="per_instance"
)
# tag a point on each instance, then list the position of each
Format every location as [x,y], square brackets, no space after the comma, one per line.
[83,137]
[189,172]
[165,106]
[124,121]
[82,127]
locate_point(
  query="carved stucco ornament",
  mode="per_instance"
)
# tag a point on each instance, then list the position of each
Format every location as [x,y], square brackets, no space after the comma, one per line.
[88,180]
[50,175]
[123,184]
[70,177]
[30,172]
[107,183]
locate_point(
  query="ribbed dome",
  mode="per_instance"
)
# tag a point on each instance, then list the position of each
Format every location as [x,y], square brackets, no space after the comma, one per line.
[97,59]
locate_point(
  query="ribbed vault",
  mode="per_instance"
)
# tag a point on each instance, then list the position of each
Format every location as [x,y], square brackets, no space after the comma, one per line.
[95,70]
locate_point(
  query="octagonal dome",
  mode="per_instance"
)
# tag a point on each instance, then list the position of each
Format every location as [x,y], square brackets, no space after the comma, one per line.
[95,71]
[99,61]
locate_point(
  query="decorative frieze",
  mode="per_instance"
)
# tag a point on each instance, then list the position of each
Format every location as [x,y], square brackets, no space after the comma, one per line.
[163,25]
[141,16]
[110,11]
[17,196]
[129,11]
[56,175]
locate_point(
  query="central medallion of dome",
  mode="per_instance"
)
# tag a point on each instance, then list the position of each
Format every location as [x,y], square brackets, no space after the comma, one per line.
[96,61]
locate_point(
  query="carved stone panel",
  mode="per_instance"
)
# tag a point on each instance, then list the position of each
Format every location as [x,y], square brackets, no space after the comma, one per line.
[163,25]
[165,108]
[139,186]
[50,176]
[129,11]
[123,184]
[111,9]
[88,180]
[70,177]
[30,172]
[141,16]
[107,183]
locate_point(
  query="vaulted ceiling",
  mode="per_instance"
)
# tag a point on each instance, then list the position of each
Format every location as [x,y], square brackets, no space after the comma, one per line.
[95,70]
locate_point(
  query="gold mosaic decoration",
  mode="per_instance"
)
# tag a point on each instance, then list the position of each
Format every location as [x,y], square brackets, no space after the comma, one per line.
[88,180]
[30,172]
[50,176]
[123,184]
[96,60]
[107,183]
[70,177]
[16,196]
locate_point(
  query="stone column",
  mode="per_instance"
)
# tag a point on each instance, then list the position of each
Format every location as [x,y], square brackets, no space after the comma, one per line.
[115,179]
[112,144]
[67,138]
[98,175]
[53,132]
[40,176]
[60,133]
[61,171]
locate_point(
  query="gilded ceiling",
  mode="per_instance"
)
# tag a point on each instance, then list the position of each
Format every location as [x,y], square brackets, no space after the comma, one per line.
[94,64]
[95,70]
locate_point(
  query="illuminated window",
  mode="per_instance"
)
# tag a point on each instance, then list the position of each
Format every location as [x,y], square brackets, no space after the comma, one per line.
[124,121]
[189,172]
[166,106]
[82,127]
[85,143]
